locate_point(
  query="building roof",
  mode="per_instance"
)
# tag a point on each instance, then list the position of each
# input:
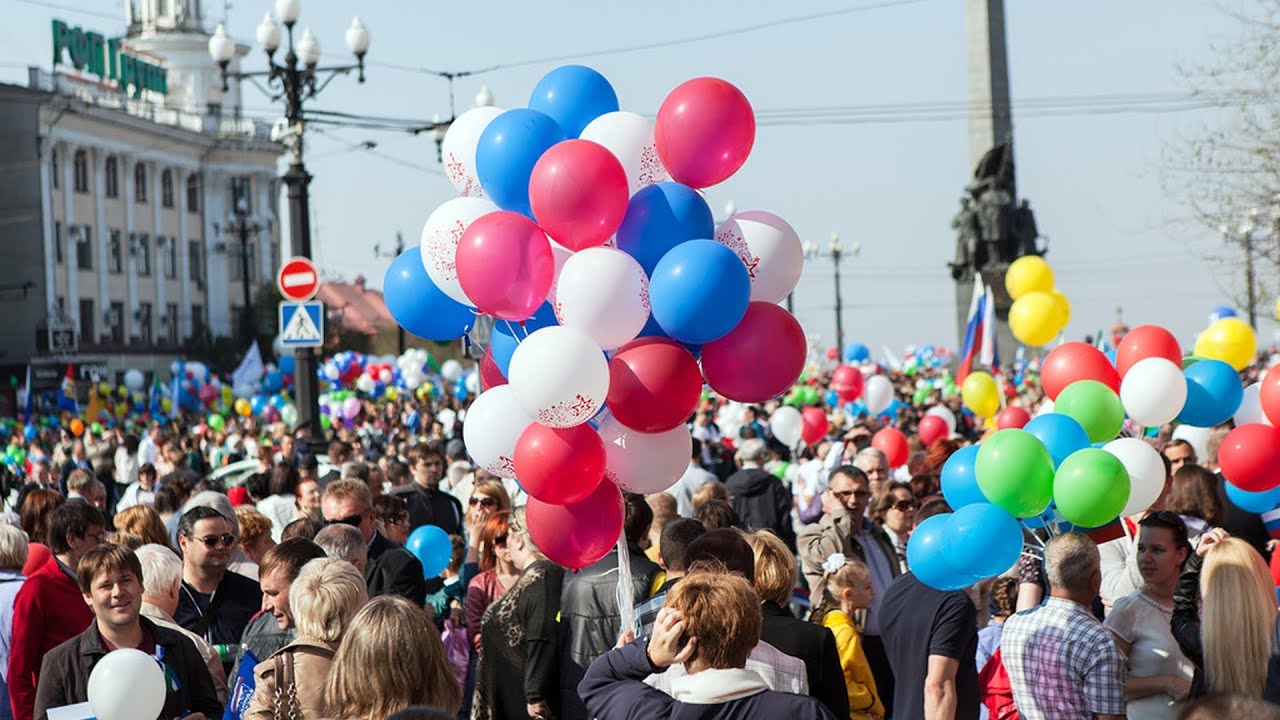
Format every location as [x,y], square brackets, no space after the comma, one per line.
[359,309]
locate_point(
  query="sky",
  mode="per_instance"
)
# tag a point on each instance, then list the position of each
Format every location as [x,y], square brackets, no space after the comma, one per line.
[1118,231]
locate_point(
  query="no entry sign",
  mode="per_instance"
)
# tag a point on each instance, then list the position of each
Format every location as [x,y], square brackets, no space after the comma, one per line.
[298,279]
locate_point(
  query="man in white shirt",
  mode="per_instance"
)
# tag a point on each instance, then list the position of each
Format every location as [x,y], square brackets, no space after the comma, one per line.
[694,476]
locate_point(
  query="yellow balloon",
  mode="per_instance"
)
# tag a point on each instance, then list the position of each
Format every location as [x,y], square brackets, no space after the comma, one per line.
[1034,317]
[980,394]
[1277,308]
[1028,274]
[1064,309]
[1230,340]
[243,409]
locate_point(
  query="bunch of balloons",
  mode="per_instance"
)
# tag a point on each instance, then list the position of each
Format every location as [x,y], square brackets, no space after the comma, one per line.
[1040,311]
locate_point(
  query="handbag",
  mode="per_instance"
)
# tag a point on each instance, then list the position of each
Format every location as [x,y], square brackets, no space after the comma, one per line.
[285,706]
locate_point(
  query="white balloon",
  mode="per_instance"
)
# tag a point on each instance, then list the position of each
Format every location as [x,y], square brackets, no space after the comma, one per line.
[560,254]
[604,293]
[458,151]
[451,371]
[1153,391]
[473,383]
[787,425]
[1146,472]
[1045,408]
[493,425]
[126,684]
[364,384]
[877,394]
[133,379]
[1250,407]
[630,138]
[560,376]
[645,463]
[729,418]
[440,237]
[770,249]
[946,414]
[1197,436]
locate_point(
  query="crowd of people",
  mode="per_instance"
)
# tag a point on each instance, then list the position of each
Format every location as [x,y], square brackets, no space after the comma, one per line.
[767,582]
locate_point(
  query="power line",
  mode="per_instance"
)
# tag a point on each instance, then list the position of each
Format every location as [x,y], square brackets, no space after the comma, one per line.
[67,9]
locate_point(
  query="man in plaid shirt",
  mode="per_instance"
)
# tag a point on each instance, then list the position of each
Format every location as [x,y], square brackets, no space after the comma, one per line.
[1062,663]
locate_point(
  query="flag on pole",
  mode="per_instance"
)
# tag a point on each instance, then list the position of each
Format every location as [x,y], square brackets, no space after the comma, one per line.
[92,412]
[153,396]
[980,332]
[175,390]
[28,400]
[67,393]
[249,372]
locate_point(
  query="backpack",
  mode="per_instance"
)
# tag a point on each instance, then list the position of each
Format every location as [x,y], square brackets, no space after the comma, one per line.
[997,690]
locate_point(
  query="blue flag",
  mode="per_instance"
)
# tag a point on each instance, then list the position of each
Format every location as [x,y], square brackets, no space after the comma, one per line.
[242,687]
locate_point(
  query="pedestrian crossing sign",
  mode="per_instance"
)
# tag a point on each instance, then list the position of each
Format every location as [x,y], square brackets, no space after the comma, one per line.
[302,324]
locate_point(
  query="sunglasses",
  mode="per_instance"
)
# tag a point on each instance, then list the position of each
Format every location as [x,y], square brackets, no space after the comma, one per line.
[500,539]
[905,505]
[213,541]
[855,493]
[483,501]
[352,520]
[398,520]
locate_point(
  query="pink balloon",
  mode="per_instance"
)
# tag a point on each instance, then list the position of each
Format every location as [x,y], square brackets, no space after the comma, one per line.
[932,428]
[704,132]
[490,374]
[737,367]
[815,425]
[505,265]
[893,444]
[578,192]
[578,534]
[1012,417]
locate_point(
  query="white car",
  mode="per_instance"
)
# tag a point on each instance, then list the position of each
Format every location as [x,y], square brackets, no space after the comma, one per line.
[236,473]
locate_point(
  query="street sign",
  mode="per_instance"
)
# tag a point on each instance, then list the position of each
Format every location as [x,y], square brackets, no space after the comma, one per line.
[298,279]
[302,324]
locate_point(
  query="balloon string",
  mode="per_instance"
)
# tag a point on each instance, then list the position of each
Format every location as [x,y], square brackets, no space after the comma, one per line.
[512,330]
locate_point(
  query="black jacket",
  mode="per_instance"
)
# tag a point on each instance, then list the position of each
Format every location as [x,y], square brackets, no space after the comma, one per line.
[816,646]
[64,674]
[589,620]
[431,507]
[762,503]
[241,600]
[392,570]
[262,637]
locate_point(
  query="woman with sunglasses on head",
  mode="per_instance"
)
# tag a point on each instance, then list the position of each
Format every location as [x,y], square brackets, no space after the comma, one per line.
[894,508]
[497,574]
[487,498]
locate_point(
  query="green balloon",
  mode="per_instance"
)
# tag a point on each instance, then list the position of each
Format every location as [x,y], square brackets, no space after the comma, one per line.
[811,396]
[1091,487]
[1190,360]
[96,428]
[1015,472]
[1095,406]
[780,470]
[216,422]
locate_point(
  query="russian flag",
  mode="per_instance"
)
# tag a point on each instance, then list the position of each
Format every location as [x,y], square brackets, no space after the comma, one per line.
[980,332]
[1271,519]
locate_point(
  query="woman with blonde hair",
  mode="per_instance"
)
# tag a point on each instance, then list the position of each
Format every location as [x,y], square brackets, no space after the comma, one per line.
[144,522]
[391,659]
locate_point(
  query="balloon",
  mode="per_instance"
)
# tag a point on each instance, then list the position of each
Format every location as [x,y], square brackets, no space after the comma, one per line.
[893,444]
[431,545]
[490,375]
[877,393]
[815,425]
[787,425]
[216,422]
[1061,435]
[604,293]
[508,149]
[1269,395]
[949,417]
[1145,469]
[133,380]
[659,218]
[578,192]
[1095,406]
[982,540]
[458,151]
[1254,502]
[736,369]
[77,427]
[289,415]
[578,534]
[1012,417]
[699,291]
[959,483]
[927,556]
[1074,361]
[1064,307]
[645,463]
[630,138]
[1250,457]
[451,371]
[418,306]
[1028,274]
[770,250]
[506,336]
[1091,488]
[495,422]
[932,428]
[856,352]
[573,96]
[1214,393]
[654,385]
[559,376]
[1222,311]
[1146,341]
[126,684]
[980,394]
[1230,340]
[350,408]
[704,132]
[1015,472]
[505,265]
[1251,407]
[1153,391]
[559,465]
[847,382]
[1034,318]
[440,237]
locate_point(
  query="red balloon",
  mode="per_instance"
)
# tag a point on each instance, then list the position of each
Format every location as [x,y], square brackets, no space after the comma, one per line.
[931,429]
[578,192]
[847,380]
[505,265]
[815,425]
[578,534]
[833,354]
[704,131]
[893,444]
[654,385]
[1270,395]
[737,366]
[1012,417]
[1146,341]
[490,375]
[1250,457]
[37,555]
[1074,361]
[559,465]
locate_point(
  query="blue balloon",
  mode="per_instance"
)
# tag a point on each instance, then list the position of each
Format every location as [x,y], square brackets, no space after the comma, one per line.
[506,336]
[573,96]
[1035,523]
[29,432]
[856,352]
[1111,355]
[1214,393]
[431,545]
[927,556]
[272,382]
[1254,502]
[286,363]
[699,291]
[257,404]
[1221,311]
[660,217]
[653,329]
[831,399]
[983,540]
[1060,434]
[418,305]
[508,149]
[959,482]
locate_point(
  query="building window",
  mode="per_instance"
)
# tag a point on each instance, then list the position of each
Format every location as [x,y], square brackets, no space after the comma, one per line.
[117,323]
[193,262]
[53,167]
[242,195]
[115,253]
[111,177]
[143,316]
[197,320]
[84,247]
[193,193]
[166,188]
[171,317]
[169,247]
[86,321]
[140,182]
[242,256]
[80,169]
[142,255]
[57,242]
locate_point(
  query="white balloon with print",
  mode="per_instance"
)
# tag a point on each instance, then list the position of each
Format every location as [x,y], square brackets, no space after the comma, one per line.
[877,394]
[560,376]
[787,425]
[458,151]
[604,293]
[630,138]
[645,463]
[493,425]
[769,248]
[1250,410]
[126,684]
[1153,391]
[1146,472]
[440,237]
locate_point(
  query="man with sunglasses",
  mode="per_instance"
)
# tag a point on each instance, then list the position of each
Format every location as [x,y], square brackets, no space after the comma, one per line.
[391,569]
[212,602]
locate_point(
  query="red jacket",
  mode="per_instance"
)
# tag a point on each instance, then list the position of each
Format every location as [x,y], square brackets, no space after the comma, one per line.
[48,611]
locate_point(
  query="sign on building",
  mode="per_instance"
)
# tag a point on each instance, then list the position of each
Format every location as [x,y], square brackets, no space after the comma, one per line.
[108,59]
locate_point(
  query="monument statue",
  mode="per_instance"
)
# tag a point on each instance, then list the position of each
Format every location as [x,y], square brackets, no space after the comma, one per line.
[993,229]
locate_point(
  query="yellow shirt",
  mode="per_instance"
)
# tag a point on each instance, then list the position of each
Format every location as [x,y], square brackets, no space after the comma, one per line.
[864,701]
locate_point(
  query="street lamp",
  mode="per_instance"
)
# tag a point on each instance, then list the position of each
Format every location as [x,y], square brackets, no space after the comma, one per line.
[399,250]
[239,226]
[295,81]
[439,127]
[837,250]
